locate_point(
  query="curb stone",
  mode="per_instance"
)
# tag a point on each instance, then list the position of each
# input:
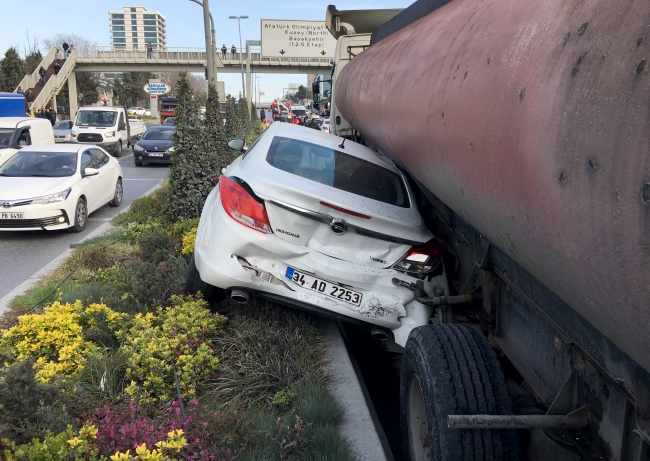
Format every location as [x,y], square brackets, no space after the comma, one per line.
[359,426]
[56,262]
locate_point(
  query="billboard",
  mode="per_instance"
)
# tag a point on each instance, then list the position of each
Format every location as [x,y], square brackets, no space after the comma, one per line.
[157,88]
[283,38]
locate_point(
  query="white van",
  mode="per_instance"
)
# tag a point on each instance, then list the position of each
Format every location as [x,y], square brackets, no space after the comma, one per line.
[298,111]
[18,132]
[105,126]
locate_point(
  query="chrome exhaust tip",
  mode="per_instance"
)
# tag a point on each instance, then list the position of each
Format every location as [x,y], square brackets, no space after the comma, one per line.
[239,296]
[379,335]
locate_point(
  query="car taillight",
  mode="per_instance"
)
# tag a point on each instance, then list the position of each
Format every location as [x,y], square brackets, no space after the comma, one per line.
[242,206]
[421,259]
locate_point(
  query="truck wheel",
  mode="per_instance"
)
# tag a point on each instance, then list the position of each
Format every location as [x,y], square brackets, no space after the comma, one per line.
[119,192]
[118,151]
[80,216]
[194,284]
[446,370]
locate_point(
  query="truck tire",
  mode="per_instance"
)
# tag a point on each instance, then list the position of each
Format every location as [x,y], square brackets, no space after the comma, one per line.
[194,284]
[118,151]
[451,369]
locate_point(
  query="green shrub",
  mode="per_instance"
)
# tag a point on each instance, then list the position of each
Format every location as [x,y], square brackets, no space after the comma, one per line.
[266,349]
[28,408]
[144,208]
[283,400]
[103,378]
[177,336]
[55,339]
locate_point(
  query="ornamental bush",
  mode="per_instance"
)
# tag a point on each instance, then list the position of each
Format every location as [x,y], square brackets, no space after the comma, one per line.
[175,337]
[55,338]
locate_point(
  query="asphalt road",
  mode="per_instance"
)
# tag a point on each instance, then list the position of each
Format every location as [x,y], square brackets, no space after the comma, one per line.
[24,253]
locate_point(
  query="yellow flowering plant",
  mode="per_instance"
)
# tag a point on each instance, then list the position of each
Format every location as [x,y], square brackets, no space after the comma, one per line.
[189,239]
[178,334]
[55,338]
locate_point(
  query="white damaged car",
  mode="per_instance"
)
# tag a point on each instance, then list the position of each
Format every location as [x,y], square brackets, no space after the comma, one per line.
[303,219]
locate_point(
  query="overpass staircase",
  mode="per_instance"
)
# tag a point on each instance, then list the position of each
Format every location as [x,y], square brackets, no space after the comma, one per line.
[53,82]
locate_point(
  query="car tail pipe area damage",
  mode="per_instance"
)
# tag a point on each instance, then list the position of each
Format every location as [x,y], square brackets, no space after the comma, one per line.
[438,300]
[240,296]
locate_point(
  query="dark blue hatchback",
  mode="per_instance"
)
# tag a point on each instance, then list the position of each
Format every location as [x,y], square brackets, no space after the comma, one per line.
[156,146]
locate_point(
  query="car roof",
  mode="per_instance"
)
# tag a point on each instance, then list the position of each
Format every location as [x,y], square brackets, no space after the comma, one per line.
[11,122]
[55,148]
[301,133]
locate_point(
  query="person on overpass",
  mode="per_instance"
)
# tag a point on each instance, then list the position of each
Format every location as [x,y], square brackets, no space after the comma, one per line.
[149,51]
[233,51]
[65,47]
[42,72]
[224,51]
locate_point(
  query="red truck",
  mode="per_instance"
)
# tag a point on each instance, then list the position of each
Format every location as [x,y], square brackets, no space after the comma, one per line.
[167,108]
[524,128]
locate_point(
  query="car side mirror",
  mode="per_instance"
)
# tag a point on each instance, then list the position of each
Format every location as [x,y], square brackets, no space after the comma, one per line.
[91,172]
[238,144]
[315,88]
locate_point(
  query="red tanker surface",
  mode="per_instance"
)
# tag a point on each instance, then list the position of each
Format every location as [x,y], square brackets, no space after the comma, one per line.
[530,119]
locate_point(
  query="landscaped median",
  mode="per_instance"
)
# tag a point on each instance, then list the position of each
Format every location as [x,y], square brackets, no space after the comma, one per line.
[107,358]
[118,364]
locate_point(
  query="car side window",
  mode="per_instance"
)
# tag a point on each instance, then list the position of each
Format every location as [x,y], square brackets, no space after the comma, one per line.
[87,161]
[122,124]
[25,138]
[100,157]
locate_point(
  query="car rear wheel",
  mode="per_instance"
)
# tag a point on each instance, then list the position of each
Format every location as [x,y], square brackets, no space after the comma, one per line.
[194,284]
[119,192]
[451,369]
[80,216]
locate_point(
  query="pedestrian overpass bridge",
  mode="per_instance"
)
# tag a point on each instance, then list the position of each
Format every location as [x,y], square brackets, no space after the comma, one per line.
[107,59]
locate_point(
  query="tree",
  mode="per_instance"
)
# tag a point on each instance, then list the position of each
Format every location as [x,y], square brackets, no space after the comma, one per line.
[194,172]
[32,60]
[129,90]
[232,119]
[216,133]
[244,117]
[13,70]
[57,40]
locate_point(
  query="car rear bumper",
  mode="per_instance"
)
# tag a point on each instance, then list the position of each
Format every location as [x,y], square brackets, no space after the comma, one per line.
[222,243]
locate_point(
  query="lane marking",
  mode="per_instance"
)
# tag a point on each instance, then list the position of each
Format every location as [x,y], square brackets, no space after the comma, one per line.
[99,219]
[123,158]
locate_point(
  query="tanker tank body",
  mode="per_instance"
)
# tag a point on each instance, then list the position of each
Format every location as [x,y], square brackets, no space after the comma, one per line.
[525,125]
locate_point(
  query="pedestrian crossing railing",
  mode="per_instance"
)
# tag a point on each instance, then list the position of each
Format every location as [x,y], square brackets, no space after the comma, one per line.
[55,82]
[30,80]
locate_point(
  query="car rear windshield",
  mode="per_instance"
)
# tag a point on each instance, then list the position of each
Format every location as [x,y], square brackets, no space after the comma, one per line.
[158,135]
[40,164]
[338,169]
[102,118]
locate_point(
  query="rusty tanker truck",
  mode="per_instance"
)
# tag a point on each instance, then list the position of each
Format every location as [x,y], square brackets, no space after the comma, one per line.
[524,129]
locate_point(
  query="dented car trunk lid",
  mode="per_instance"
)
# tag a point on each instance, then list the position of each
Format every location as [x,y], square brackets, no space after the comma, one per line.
[348,203]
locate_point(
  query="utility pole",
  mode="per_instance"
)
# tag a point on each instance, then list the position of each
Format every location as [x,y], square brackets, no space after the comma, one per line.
[241,51]
[210,45]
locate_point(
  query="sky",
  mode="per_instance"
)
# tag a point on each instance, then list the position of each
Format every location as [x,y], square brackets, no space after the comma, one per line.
[184,19]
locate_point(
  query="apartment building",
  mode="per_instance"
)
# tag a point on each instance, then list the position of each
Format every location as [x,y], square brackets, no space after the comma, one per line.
[134,26]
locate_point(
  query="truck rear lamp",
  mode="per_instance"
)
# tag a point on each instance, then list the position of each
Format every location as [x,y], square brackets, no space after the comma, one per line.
[421,259]
[242,206]
[343,210]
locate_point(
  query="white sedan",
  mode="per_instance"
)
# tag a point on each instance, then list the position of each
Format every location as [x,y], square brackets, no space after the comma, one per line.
[139,111]
[325,126]
[304,219]
[57,186]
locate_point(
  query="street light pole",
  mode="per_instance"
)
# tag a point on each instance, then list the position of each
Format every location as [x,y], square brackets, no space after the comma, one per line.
[239,18]
[210,45]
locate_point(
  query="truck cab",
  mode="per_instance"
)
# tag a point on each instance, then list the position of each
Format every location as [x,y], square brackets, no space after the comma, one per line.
[18,132]
[105,126]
